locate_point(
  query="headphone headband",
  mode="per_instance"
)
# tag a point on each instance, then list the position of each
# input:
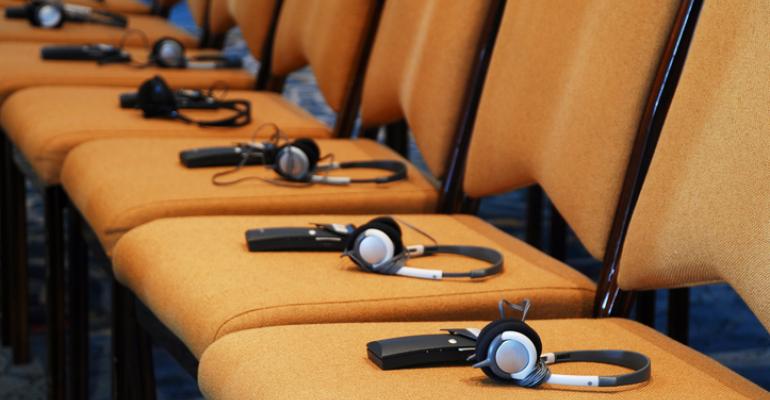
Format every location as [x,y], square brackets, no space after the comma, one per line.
[377,247]
[397,169]
[509,350]
[639,363]
[156,99]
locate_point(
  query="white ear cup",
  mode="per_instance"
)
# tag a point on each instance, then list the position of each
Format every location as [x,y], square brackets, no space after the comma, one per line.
[49,16]
[376,247]
[516,355]
[171,53]
[293,162]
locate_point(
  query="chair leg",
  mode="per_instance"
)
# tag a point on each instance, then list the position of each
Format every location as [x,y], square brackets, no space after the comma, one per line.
[17,235]
[5,263]
[54,224]
[77,253]
[133,376]
[679,314]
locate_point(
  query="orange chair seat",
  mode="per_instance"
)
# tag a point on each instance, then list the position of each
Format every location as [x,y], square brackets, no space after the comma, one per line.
[330,362]
[199,279]
[20,30]
[22,67]
[74,115]
[119,184]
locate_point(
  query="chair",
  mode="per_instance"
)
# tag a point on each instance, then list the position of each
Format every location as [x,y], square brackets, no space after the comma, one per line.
[701,217]
[45,144]
[223,289]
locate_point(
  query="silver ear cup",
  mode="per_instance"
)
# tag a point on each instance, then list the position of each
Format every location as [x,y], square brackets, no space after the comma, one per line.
[171,53]
[293,163]
[375,248]
[511,355]
[49,16]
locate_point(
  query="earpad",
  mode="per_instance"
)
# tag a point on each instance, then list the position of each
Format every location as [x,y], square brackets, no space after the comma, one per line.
[491,331]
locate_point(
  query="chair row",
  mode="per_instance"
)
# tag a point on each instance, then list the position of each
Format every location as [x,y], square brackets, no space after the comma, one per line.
[498,95]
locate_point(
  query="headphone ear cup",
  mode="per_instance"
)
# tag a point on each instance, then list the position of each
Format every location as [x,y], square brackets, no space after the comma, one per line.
[311,150]
[168,52]
[495,328]
[381,224]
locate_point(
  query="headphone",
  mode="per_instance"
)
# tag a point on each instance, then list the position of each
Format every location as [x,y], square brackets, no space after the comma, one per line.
[50,14]
[377,247]
[156,100]
[170,53]
[511,351]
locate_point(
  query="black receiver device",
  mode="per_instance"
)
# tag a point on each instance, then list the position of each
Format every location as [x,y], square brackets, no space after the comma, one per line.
[455,347]
[321,237]
[86,52]
[240,154]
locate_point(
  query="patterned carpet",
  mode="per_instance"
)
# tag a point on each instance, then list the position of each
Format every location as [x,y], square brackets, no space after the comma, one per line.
[721,324]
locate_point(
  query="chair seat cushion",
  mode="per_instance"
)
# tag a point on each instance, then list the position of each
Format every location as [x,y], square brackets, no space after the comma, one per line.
[199,279]
[119,184]
[22,67]
[20,30]
[74,115]
[330,362]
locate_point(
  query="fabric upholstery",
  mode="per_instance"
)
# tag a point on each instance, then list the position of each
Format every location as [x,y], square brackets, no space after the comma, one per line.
[203,283]
[328,35]
[219,18]
[22,67]
[330,362]
[253,18]
[20,30]
[704,211]
[139,180]
[566,118]
[419,70]
[119,6]
[74,115]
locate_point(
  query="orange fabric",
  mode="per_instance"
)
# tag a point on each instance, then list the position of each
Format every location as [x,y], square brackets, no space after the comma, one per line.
[74,115]
[118,6]
[253,18]
[330,362]
[327,34]
[219,18]
[204,284]
[704,211]
[20,30]
[419,70]
[140,180]
[22,67]
[562,103]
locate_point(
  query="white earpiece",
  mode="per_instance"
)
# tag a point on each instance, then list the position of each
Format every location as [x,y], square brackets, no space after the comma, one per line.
[516,355]
[376,247]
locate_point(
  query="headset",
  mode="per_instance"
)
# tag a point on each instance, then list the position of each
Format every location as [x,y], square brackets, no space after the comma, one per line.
[156,100]
[377,247]
[296,161]
[170,53]
[51,14]
[511,351]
